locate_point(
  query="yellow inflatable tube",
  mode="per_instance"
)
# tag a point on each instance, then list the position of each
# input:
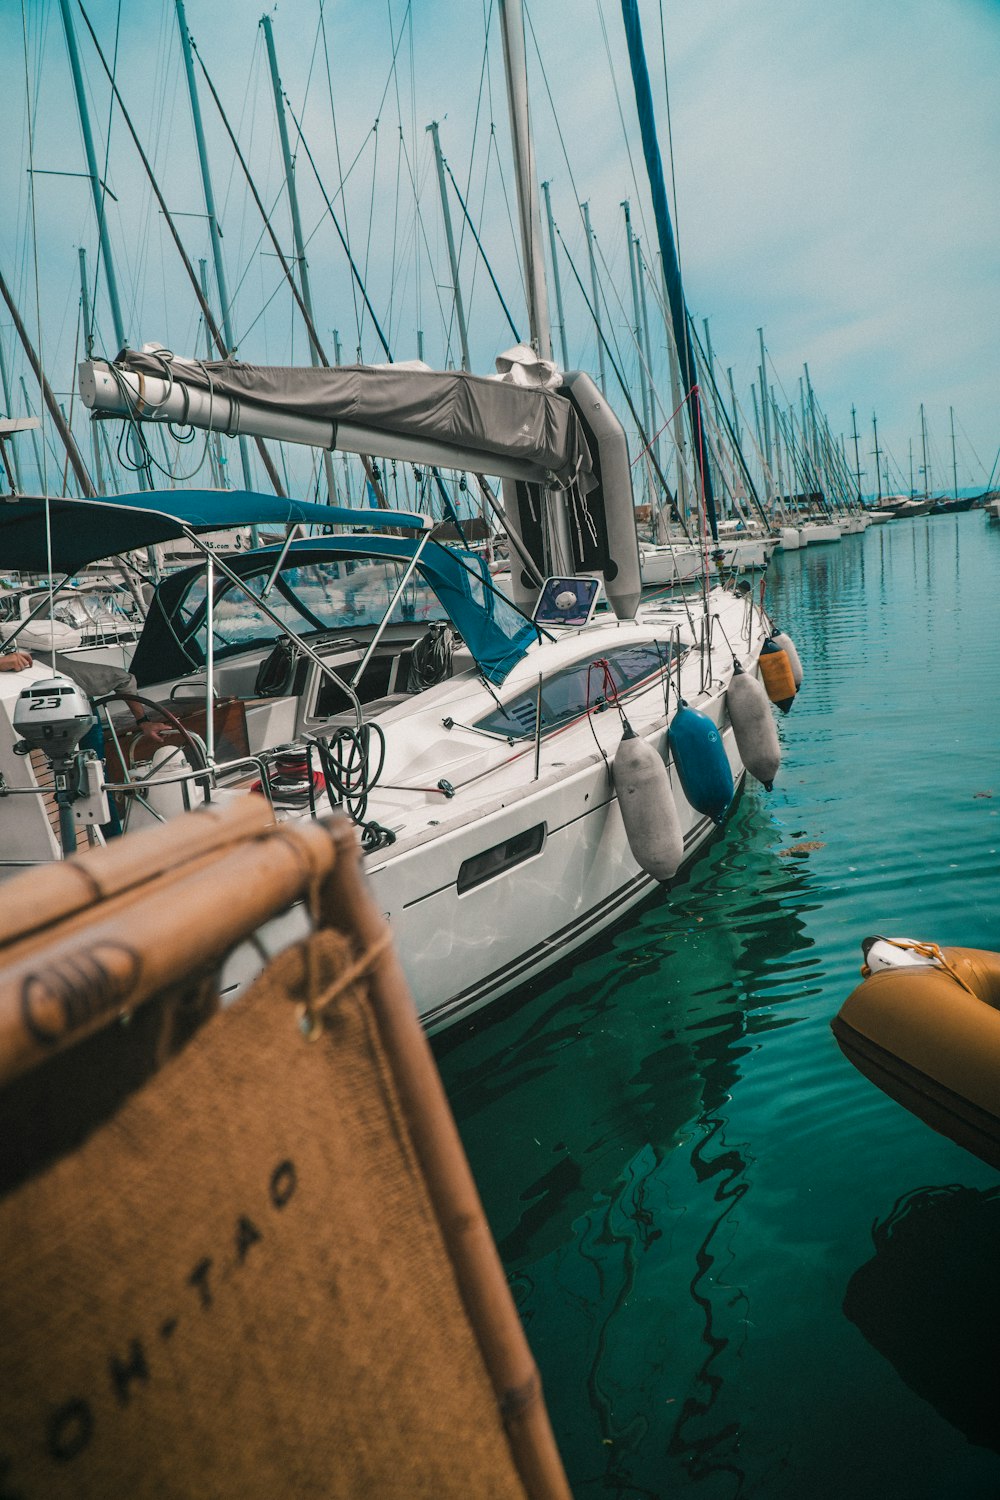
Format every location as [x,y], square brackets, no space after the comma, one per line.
[926,1030]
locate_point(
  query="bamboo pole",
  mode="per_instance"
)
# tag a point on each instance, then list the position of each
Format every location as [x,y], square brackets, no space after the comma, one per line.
[468,1239]
[62,984]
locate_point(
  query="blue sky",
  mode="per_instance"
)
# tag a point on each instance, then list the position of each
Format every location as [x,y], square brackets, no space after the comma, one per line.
[835,169]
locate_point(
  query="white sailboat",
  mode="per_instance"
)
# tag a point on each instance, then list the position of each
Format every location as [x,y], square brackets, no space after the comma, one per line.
[496,840]
[474,744]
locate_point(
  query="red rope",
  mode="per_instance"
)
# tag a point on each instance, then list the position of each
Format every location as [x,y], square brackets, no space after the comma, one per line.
[607,681]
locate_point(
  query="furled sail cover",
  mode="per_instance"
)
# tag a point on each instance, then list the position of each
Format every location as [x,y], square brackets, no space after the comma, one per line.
[450,407]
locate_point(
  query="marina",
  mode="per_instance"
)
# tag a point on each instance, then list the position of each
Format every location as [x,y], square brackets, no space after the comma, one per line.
[499,959]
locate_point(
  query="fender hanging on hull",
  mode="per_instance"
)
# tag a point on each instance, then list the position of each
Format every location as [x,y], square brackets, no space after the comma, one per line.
[702,763]
[753,726]
[647,806]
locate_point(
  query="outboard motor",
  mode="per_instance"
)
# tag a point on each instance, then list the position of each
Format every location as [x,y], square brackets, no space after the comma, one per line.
[54,715]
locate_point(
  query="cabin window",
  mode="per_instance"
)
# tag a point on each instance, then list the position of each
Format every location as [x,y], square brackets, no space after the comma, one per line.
[502,857]
[568,694]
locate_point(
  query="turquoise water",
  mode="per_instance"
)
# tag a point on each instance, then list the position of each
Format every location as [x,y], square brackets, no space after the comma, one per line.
[743,1270]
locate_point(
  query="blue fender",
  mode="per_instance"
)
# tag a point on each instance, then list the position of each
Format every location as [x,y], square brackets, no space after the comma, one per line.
[702,764]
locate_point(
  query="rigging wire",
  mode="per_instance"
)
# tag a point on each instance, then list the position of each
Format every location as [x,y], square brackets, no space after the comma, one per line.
[472,157]
[38,318]
[670,137]
[336,143]
[467,219]
[621,117]
[265,216]
[576,194]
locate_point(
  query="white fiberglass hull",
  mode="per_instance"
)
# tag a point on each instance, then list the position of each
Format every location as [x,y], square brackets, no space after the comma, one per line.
[663,565]
[821,532]
[462,948]
[490,940]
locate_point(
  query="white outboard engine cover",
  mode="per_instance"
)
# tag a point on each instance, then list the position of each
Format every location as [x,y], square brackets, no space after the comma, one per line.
[53,715]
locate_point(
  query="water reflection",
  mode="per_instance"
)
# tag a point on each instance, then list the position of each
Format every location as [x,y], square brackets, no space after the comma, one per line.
[617,1081]
[677,1163]
[704,1443]
[929,1301]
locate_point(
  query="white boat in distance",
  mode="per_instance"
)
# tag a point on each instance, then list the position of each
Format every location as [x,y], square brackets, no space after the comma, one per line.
[473,746]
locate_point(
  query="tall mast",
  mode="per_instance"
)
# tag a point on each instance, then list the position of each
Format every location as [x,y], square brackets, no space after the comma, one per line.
[556,283]
[215,233]
[640,267]
[215,442]
[857,455]
[954,465]
[92,172]
[765,416]
[449,235]
[88,344]
[62,427]
[516,69]
[293,205]
[923,442]
[668,248]
[732,402]
[878,470]
[97,193]
[595,298]
[637,318]
[779,468]
[9,408]
[560,545]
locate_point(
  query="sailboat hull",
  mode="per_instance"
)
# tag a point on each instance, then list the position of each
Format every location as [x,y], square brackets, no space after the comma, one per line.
[462,950]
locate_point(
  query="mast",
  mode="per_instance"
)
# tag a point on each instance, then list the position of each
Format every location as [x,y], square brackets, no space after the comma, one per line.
[88,344]
[857,455]
[878,471]
[780,474]
[637,318]
[9,407]
[92,172]
[516,69]
[595,298]
[923,441]
[668,248]
[556,283]
[732,402]
[449,235]
[215,233]
[812,420]
[640,266]
[96,186]
[954,465]
[215,442]
[765,415]
[560,546]
[72,451]
[293,205]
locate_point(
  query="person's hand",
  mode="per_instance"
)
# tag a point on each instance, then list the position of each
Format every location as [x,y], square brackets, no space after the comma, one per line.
[15,661]
[157,731]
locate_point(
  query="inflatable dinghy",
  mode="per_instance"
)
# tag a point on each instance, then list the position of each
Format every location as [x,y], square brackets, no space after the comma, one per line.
[924,1025]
